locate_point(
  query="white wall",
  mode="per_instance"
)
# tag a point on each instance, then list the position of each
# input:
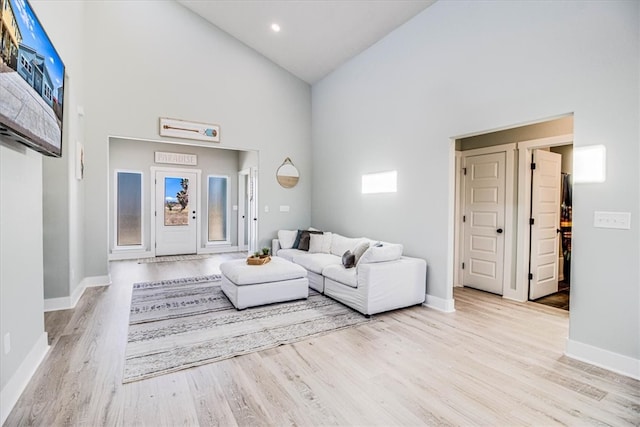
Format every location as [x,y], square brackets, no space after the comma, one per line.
[465,67]
[21,299]
[41,246]
[132,155]
[63,201]
[146,60]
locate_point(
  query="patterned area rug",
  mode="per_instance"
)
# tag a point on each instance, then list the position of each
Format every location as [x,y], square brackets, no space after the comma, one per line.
[178,324]
[171,258]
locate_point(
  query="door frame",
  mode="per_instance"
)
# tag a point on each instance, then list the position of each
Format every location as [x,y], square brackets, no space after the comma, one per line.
[243,197]
[152,185]
[254,212]
[525,149]
[509,229]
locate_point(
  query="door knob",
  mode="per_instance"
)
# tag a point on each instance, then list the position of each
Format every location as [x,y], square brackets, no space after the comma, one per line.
[499,230]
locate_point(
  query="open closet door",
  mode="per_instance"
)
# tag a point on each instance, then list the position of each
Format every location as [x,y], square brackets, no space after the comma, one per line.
[545,222]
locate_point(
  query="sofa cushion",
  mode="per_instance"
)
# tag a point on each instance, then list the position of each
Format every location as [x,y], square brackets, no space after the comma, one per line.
[346,276]
[315,243]
[341,244]
[320,243]
[305,238]
[289,254]
[315,262]
[360,250]
[297,241]
[348,260]
[381,253]
[287,238]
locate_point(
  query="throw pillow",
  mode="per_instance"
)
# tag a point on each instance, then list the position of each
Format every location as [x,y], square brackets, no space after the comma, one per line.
[348,259]
[287,238]
[327,237]
[316,242]
[340,244]
[382,253]
[303,244]
[296,242]
[359,250]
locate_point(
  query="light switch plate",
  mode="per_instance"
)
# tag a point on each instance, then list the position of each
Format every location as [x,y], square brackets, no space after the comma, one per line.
[619,220]
[284,208]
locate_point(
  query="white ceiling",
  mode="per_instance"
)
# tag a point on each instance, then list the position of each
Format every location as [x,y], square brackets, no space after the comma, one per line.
[316,36]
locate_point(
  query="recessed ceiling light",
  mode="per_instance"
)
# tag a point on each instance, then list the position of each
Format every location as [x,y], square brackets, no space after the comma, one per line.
[275,27]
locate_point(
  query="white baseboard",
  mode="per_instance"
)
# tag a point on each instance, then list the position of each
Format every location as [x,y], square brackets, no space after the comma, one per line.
[66,303]
[18,382]
[440,304]
[606,359]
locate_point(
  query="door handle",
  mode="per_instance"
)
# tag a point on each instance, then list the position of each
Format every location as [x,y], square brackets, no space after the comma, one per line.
[499,230]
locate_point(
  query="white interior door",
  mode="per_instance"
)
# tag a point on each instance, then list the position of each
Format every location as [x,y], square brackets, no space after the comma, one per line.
[545,213]
[484,215]
[176,228]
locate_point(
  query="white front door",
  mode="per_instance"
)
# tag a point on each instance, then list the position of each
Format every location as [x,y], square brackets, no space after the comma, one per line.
[545,215]
[175,212]
[484,214]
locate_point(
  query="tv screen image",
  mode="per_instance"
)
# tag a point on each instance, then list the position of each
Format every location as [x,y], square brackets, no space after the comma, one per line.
[31,80]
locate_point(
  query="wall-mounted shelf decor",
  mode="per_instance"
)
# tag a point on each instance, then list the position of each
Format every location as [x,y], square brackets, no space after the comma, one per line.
[189,130]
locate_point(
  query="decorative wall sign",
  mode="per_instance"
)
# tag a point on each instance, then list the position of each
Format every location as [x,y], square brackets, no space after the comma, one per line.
[189,130]
[176,158]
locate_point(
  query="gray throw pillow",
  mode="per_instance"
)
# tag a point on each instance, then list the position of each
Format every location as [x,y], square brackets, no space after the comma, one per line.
[348,260]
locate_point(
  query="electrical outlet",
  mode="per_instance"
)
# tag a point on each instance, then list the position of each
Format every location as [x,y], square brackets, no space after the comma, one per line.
[266,208]
[284,208]
[7,343]
[619,220]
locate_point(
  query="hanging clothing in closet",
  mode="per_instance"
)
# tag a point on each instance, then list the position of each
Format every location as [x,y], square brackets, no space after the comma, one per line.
[566,223]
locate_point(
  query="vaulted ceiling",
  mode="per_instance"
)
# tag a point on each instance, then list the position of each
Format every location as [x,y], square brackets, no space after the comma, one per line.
[316,36]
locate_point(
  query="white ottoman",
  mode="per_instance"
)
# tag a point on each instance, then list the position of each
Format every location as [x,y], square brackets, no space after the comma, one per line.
[250,285]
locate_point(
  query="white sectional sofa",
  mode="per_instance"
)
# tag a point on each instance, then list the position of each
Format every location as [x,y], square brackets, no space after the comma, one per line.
[380,280]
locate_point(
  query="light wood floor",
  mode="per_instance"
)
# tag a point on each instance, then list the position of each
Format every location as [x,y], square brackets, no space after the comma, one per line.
[492,362]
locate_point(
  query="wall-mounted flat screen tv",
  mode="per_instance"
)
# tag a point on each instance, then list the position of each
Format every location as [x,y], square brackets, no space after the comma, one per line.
[31,81]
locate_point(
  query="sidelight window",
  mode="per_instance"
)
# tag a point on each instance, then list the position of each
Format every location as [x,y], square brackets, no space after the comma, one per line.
[217,209]
[128,209]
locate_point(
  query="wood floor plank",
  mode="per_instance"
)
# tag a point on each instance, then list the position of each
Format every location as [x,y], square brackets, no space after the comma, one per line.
[492,362]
